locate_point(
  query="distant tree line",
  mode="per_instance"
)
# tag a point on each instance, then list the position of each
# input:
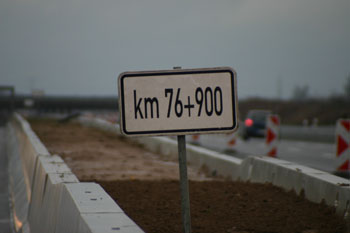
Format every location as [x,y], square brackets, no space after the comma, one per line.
[301,93]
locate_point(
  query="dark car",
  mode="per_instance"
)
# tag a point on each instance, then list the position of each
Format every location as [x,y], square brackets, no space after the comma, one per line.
[255,123]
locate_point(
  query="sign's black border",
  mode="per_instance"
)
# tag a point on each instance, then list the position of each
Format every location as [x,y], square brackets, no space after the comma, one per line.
[177,72]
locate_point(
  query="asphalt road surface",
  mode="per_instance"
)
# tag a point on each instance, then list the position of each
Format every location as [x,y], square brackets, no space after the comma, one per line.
[312,154]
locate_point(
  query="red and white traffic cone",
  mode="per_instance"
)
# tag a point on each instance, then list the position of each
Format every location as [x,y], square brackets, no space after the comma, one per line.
[343,145]
[272,134]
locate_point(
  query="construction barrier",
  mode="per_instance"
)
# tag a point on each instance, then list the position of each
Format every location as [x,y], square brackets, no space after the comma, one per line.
[272,134]
[47,197]
[194,139]
[231,141]
[343,145]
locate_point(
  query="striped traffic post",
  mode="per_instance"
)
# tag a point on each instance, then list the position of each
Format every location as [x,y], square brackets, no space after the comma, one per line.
[272,134]
[343,145]
[231,139]
[194,139]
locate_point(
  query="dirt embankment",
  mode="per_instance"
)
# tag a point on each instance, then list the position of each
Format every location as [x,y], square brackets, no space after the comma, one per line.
[94,154]
[146,186]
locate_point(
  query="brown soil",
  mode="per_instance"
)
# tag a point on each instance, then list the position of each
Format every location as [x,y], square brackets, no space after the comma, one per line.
[145,185]
[94,154]
[221,206]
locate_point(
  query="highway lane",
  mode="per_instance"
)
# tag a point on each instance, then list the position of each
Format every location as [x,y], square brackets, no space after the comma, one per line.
[312,154]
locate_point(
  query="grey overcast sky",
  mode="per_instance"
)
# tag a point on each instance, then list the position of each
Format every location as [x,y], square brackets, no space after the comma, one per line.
[79,47]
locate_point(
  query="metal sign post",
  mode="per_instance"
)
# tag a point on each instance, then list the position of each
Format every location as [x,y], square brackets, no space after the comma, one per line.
[185,197]
[185,193]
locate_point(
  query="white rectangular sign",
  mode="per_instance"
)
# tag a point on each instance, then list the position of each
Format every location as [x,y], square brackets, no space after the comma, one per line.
[178,102]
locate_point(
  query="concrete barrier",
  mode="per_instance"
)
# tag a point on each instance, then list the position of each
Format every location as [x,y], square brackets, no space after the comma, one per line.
[317,186]
[87,206]
[18,188]
[48,197]
[51,171]
[197,156]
